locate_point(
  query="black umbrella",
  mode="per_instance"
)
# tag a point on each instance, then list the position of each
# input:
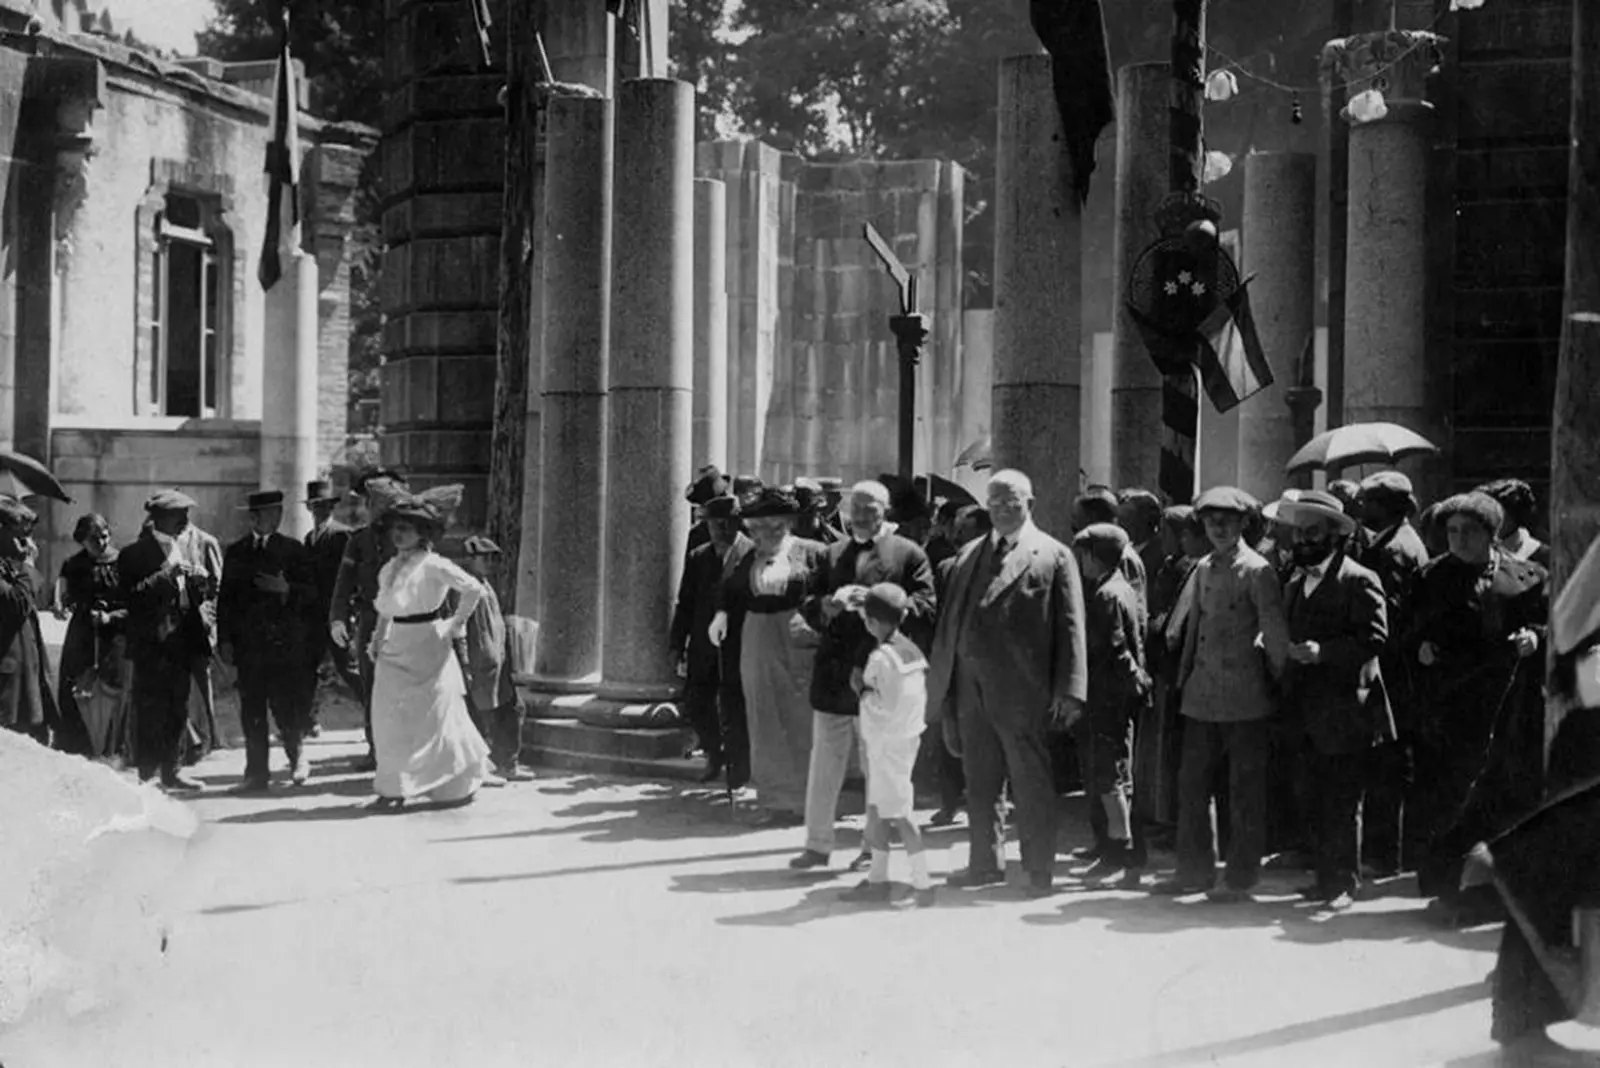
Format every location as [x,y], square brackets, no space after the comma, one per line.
[23,476]
[928,488]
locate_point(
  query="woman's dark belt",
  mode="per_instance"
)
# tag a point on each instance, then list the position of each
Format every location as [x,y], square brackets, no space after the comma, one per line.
[426,617]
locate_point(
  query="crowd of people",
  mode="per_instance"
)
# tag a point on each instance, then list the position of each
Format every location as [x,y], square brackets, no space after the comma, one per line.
[419,638]
[1336,681]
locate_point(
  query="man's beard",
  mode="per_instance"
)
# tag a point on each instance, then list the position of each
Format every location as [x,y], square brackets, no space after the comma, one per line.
[1313,554]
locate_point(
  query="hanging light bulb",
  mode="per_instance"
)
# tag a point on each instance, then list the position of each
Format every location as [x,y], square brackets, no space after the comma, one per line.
[1368,106]
[1221,85]
[1297,114]
[1465,5]
[1217,166]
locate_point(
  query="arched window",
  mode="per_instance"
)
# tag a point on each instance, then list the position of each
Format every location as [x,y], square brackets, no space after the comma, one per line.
[189,284]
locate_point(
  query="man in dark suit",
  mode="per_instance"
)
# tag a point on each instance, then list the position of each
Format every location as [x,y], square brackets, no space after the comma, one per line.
[165,634]
[352,615]
[1332,683]
[1395,551]
[725,743]
[325,544]
[1009,661]
[872,554]
[263,610]
[970,522]
[708,482]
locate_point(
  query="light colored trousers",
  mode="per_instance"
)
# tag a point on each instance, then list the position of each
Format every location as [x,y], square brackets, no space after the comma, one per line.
[831,738]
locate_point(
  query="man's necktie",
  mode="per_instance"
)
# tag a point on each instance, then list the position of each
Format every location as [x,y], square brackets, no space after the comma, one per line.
[998,558]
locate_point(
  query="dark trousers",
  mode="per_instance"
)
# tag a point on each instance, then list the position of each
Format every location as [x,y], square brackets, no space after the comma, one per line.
[362,636]
[501,727]
[1383,812]
[1291,811]
[993,747]
[1336,782]
[700,709]
[731,722]
[952,778]
[161,684]
[279,689]
[320,644]
[1245,746]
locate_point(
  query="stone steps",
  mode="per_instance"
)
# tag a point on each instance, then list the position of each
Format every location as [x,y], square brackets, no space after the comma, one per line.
[570,745]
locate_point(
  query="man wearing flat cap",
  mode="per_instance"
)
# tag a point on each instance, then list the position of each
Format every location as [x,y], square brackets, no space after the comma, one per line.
[264,611]
[1334,696]
[1396,553]
[27,703]
[352,613]
[713,698]
[1234,649]
[166,634]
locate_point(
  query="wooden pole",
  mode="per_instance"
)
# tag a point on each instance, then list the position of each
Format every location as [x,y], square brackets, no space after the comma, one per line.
[1575,436]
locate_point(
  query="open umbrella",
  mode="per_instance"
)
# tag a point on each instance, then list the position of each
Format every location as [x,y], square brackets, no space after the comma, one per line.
[23,476]
[929,487]
[1356,444]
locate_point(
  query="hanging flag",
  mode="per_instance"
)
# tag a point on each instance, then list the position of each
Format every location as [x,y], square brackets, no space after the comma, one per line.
[481,21]
[1232,365]
[1074,33]
[281,242]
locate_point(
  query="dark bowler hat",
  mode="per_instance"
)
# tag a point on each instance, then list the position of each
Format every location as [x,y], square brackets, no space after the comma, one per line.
[262,499]
[708,482]
[772,502]
[320,491]
[725,507]
[169,500]
[479,545]
[1225,499]
[809,494]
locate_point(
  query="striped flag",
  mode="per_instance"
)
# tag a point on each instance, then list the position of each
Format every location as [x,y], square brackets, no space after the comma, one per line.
[281,242]
[1232,365]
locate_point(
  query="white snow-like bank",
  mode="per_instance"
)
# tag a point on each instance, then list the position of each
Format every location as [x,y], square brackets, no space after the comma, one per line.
[88,859]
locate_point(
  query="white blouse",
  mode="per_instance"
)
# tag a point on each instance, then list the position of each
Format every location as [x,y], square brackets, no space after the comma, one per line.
[769,576]
[416,583]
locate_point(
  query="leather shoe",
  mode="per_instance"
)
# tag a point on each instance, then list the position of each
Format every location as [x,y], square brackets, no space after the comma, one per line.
[1039,885]
[863,861]
[868,893]
[175,780]
[713,771]
[943,818]
[254,784]
[1340,901]
[1228,895]
[1094,852]
[971,879]
[1177,888]
[808,860]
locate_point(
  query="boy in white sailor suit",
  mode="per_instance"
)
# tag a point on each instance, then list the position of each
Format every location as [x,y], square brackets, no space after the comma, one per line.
[893,688]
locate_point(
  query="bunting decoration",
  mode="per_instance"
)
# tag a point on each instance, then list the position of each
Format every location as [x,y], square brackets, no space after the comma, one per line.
[1074,33]
[281,241]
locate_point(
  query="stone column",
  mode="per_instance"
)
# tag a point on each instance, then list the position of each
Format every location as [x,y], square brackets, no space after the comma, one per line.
[1385,335]
[1037,285]
[289,388]
[576,238]
[649,403]
[1144,92]
[710,322]
[1280,222]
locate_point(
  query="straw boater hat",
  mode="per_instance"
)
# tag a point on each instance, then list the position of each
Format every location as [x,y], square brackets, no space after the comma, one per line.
[1270,511]
[1311,505]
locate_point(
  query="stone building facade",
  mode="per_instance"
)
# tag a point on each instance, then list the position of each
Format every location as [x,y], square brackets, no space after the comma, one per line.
[132,333]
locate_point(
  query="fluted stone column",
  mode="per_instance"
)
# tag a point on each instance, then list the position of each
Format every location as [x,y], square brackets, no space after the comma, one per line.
[289,388]
[576,324]
[710,322]
[1280,222]
[1144,92]
[649,397]
[1038,285]
[1386,272]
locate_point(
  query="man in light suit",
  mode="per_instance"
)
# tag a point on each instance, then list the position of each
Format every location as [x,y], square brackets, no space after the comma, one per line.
[1009,662]
[1333,687]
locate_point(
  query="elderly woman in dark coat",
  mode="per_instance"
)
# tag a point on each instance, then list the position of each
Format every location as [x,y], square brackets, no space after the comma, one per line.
[27,705]
[1477,629]
[93,713]
[761,597]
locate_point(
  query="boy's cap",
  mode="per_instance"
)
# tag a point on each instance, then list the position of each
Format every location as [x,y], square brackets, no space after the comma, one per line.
[1102,537]
[1226,499]
[886,602]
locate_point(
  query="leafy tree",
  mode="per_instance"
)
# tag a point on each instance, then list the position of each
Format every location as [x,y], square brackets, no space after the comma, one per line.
[701,52]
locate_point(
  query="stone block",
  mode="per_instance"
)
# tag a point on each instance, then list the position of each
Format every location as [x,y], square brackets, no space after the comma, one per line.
[442,332]
[443,214]
[466,389]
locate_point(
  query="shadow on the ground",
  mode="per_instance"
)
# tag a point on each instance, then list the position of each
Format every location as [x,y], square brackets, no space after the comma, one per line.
[598,869]
[1536,1051]
[1314,1030]
[340,812]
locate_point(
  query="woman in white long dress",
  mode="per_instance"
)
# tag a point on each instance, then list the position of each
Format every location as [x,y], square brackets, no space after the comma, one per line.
[425,741]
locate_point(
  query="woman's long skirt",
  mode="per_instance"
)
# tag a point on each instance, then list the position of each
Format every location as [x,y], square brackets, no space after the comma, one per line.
[777,679]
[423,737]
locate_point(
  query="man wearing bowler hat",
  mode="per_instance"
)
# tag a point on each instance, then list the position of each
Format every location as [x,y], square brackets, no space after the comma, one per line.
[325,544]
[268,594]
[164,591]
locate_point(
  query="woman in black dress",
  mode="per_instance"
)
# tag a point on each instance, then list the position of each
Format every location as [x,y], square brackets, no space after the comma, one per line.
[1478,626]
[93,712]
